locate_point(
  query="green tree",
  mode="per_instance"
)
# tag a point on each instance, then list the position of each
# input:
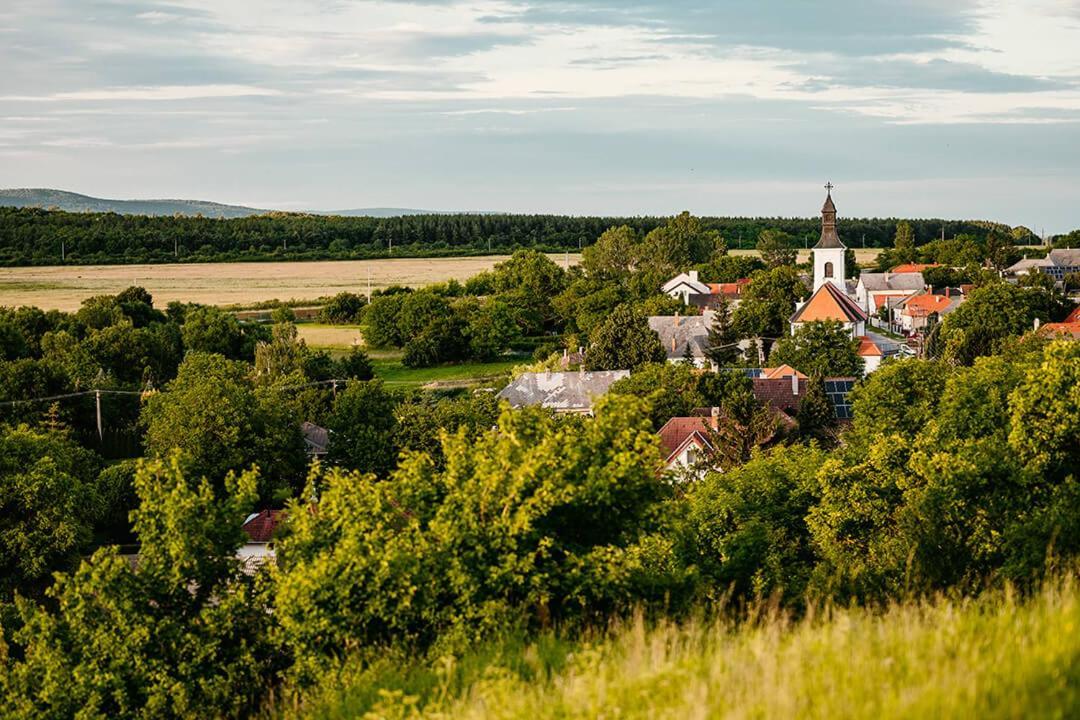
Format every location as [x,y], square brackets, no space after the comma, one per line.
[49,502]
[816,417]
[380,321]
[777,248]
[282,355]
[490,328]
[611,257]
[184,632]
[768,302]
[723,347]
[514,530]
[343,308]
[363,428]
[355,365]
[212,330]
[822,348]
[746,528]
[904,243]
[990,317]
[212,414]
[623,342]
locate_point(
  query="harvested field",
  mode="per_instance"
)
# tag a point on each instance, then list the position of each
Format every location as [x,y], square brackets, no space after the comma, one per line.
[65,287]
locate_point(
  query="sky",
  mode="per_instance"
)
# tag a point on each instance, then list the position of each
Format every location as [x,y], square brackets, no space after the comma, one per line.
[928,108]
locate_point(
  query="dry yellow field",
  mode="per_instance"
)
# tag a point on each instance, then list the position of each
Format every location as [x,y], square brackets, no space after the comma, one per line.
[65,287]
[863,256]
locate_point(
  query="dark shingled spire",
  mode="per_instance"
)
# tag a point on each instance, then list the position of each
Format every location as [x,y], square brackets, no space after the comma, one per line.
[829,238]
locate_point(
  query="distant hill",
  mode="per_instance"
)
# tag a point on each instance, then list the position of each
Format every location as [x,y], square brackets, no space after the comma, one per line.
[48,198]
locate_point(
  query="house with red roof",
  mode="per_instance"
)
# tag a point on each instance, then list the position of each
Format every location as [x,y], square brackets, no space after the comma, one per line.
[918,311]
[260,529]
[686,445]
[913,267]
[829,302]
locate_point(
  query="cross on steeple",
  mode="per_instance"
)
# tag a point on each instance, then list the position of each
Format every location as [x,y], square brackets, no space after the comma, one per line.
[828,187]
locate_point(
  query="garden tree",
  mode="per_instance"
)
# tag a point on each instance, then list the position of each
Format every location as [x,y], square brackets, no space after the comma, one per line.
[1038,280]
[904,250]
[623,342]
[723,344]
[490,327]
[672,248]
[1046,413]
[777,248]
[444,340]
[423,417]
[284,354]
[138,306]
[380,321]
[212,414]
[343,308]
[816,417]
[363,428]
[744,426]
[745,529]
[768,302]
[529,280]
[823,348]
[49,503]
[132,355]
[939,277]
[587,302]
[99,311]
[1072,282]
[990,317]
[116,490]
[1000,251]
[282,314]
[676,389]
[514,531]
[611,257]
[28,378]
[900,397]
[12,343]
[184,632]
[212,330]
[354,365]
[728,268]
[419,311]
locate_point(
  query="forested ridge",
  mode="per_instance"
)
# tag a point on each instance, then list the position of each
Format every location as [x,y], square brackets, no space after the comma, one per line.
[32,236]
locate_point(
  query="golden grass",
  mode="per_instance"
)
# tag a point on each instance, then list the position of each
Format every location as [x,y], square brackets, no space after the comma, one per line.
[330,337]
[992,658]
[65,287]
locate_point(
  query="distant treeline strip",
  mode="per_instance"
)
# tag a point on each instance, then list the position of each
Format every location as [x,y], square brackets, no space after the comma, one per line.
[32,236]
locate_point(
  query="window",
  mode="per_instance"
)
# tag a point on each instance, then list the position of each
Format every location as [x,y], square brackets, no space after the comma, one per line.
[828,270]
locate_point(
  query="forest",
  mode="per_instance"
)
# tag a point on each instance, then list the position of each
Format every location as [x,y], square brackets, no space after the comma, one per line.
[449,549]
[31,236]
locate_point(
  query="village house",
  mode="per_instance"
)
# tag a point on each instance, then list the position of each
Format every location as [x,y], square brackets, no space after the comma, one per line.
[688,289]
[316,440]
[684,285]
[1058,263]
[686,445]
[874,289]
[562,392]
[259,528]
[684,336]
[914,314]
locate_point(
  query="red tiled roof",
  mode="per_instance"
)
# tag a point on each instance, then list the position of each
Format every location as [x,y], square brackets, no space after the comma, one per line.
[731,290]
[783,371]
[867,348]
[777,394]
[1061,329]
[829,303]
[1074,316]
[678,430]
[925,305]
[913,267]
[260,527]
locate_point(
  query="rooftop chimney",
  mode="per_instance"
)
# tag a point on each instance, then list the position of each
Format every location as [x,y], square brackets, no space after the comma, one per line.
[715,417]
[795,384]
[677,318]
[693,275]
[948,291]
[1037,323]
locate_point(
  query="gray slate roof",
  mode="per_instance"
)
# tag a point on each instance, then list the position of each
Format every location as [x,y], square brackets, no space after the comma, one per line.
[875,282]
[684,330]
[561,391]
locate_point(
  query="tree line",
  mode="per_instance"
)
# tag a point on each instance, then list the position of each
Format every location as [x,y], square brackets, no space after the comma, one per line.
[32,236]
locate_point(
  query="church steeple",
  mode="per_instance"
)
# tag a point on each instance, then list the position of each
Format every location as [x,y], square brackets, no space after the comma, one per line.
[829,238]
[829,251]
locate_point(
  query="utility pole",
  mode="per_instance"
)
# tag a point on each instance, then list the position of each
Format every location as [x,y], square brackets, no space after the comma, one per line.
[63,251]
[176,247]
[369,283]
[97,399]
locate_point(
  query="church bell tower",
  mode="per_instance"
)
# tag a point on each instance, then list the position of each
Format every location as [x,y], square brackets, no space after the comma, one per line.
[829,251]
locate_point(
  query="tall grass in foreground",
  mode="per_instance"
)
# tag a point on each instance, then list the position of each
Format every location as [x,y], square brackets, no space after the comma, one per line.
[997,657]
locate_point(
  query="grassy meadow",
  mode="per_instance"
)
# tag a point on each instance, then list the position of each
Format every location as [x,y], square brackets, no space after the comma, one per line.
[995,657]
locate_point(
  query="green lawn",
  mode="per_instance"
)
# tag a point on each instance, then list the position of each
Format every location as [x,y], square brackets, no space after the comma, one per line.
[389,369]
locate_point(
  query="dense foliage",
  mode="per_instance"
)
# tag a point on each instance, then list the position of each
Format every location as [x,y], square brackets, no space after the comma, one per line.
[31,236]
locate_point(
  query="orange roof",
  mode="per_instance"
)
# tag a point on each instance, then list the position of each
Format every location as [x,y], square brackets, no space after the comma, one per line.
[1074,316]
[732,289]
[925,305]
[829,303]
[868,348]
[913,267]
[882,298]
[1061,329]
[781,372]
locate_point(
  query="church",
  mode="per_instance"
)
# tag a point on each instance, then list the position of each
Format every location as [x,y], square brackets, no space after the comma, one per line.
[830,299]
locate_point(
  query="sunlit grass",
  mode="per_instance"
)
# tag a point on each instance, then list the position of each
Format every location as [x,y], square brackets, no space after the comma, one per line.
[997,657]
